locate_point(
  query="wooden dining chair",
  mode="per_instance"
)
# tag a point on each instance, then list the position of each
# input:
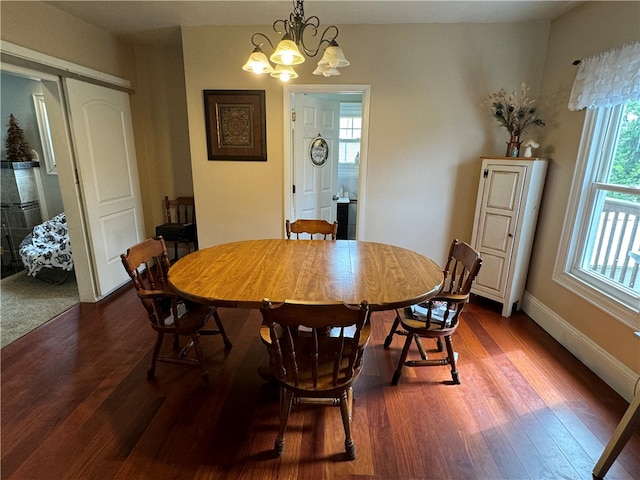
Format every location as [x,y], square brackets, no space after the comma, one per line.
[180,228]
[439,317]
[309,366]
[147,263]
[312,227]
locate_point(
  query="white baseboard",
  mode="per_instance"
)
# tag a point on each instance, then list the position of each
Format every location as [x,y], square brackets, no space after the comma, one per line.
[617,375]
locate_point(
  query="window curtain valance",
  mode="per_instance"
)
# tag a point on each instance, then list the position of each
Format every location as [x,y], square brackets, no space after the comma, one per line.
[607,79]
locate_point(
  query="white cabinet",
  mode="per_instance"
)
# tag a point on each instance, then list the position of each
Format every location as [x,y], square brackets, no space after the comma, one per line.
[504,226]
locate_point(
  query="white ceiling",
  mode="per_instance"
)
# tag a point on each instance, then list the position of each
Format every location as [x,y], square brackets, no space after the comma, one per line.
[158,21]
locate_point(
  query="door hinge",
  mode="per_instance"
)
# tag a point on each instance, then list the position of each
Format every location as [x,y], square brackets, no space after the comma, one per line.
[486,172]
[293,188]
[293,115]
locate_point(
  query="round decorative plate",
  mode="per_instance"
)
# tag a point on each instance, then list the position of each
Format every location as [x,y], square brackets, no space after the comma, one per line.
[319,151]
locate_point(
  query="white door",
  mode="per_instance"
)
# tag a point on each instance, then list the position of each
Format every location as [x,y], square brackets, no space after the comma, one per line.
[106,161]
[501,197]
[316,181]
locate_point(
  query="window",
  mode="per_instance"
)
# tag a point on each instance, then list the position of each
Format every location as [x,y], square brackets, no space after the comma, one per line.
[350,133]
[600,257]
[45,133]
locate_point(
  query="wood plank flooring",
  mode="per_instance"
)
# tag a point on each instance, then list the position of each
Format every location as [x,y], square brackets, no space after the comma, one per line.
[76,405]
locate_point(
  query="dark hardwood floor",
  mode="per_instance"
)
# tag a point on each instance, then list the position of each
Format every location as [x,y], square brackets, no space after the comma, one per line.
[76,405]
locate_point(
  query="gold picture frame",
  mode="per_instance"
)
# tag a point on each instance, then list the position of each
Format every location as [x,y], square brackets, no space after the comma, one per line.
[236,125]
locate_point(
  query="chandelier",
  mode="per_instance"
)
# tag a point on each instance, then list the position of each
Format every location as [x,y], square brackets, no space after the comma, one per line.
[288,52]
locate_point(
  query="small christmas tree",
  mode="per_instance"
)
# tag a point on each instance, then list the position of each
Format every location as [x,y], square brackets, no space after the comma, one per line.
[18,149]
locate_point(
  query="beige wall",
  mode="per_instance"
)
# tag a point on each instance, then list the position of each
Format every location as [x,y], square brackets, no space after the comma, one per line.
[591,28]
[45,29]
[167,169]
[427,128]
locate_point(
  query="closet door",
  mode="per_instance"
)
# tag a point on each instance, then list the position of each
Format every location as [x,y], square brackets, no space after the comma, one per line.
[102,133]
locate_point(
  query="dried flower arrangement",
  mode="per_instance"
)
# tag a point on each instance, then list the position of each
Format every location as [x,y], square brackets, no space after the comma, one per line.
[515,112]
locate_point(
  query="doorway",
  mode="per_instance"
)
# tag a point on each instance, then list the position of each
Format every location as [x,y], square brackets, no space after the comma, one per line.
[30,189]
[306,175]
[92,138]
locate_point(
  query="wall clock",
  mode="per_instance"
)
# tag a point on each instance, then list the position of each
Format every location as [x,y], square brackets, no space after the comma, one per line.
[318,151]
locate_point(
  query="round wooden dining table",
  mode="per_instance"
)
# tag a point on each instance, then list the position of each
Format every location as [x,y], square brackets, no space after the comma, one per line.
[242,274]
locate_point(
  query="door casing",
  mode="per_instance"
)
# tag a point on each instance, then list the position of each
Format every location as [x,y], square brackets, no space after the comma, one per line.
[289,92]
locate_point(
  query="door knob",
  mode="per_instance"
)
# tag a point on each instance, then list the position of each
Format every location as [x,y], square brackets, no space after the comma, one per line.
[335,198]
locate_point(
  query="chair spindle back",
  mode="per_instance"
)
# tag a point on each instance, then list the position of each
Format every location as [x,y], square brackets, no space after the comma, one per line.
[314,360]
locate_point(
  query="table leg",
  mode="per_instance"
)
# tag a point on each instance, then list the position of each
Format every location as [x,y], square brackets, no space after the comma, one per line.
[621,435]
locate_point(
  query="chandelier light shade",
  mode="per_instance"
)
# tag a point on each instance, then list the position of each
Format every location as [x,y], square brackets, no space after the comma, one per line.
[284,72]
[258,62]
[287,53]
[333,57]
[326,71]
[292,49]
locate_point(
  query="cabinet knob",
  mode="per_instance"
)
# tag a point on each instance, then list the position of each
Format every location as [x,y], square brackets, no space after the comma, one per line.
[511,235]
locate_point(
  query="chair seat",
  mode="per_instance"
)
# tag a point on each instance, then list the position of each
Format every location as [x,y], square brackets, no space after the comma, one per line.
[436,325]
[193,319]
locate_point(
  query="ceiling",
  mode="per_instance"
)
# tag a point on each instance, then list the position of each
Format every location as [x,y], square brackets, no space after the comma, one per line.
[148,22]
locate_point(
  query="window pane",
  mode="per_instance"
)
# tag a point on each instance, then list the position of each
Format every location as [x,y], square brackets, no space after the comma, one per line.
[612,250]
[349,152]
[625,168]
[350,128]
[350,131]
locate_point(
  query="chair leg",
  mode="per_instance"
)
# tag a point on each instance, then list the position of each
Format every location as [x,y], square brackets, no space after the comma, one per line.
[439,344]
[394,327]
[225,339]
[403,358]
[176,342]
[346,409]
[151,371]
[286,399]
[455,375]
[421,350]
[200,354]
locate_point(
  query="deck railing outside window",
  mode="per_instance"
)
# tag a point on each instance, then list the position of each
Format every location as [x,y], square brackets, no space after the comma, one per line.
[616,250]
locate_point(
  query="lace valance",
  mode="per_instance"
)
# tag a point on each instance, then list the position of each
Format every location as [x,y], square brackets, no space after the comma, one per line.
[607,79]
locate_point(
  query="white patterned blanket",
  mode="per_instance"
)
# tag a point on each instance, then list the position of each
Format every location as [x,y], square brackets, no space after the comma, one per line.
[47,247]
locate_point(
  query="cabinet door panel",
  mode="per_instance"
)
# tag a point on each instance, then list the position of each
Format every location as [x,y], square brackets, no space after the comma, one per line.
[503,192]
[491,273]
[496,232]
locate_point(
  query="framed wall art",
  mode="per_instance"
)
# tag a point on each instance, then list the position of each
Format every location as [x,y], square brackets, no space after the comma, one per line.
[236,125]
